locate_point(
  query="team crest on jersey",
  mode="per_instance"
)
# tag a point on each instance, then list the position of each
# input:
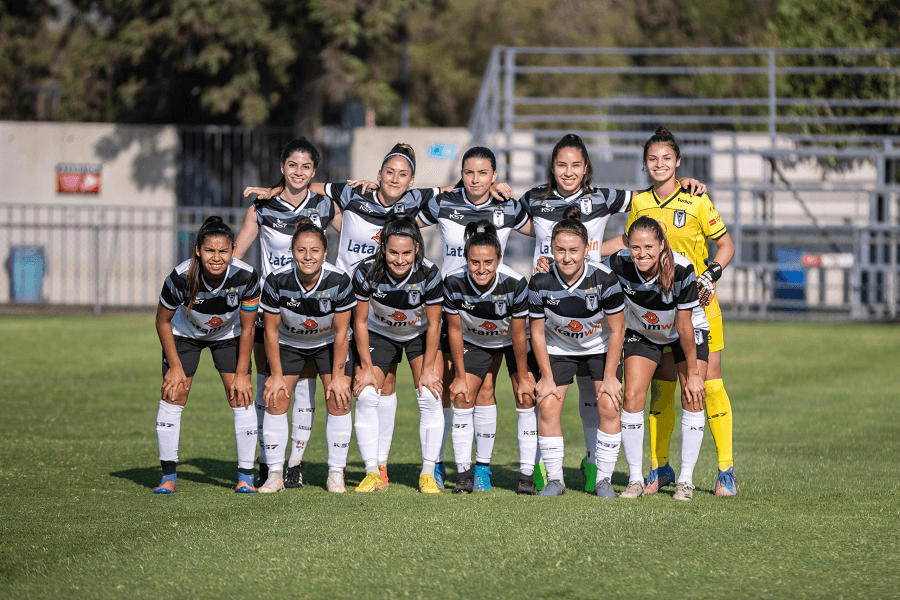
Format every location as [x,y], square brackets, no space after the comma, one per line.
[698,337]
[231,298]
[679,219]
[500,305]
[592,299]
[414,294]
[586,206]
[324,301]
[399,207]
[498,217]
[314,217]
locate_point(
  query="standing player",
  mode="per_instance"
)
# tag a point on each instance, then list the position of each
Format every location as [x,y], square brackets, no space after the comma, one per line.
[209,301]
[307,319]
[690,223]
[398,294]
[660,297]
[487,305]
[576,320]
[273,220]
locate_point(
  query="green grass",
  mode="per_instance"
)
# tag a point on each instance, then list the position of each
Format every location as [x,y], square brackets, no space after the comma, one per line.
[817,440]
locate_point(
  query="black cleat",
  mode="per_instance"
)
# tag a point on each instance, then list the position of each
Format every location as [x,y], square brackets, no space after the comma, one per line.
[526,485]
[262,474]
[294,476]
[464,483]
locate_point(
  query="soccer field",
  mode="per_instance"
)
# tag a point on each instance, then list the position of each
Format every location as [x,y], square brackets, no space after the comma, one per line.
[817,435]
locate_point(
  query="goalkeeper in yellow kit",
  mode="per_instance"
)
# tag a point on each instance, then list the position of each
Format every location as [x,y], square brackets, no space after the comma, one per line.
[690,222]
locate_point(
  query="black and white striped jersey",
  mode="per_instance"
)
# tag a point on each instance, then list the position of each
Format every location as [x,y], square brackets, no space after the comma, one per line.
[576,315]
[214,316]
[650,312]
[277,218]
[597,204]
[397,308]
[364,216]
[307,316]
[486,316]
[453,211]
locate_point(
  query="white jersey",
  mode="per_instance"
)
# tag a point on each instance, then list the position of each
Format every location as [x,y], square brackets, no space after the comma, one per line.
[486,316]
[277,218]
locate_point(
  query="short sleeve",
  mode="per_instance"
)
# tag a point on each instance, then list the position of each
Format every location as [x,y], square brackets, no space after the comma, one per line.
[535,303]
[434,286]
[612,300]
[269,301]
[173,291]
[361,286]
[710,221]
[430,210]
[340,193]
[521,215]
[688,296]
[449,305]
[520,299]
[345,299]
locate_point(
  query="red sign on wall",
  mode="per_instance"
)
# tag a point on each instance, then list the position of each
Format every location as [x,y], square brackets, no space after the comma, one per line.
[78,179]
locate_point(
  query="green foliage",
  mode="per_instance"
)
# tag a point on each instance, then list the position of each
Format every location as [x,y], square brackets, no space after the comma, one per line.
[24,57]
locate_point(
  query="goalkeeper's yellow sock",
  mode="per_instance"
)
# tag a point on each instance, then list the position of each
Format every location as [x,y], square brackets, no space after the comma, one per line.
[661,420]
[721,421]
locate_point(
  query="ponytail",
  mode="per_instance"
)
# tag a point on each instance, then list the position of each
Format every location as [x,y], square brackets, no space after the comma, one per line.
[306,225]
[212,227]
[666,267]
[482,233]
[396,224]
[404,150]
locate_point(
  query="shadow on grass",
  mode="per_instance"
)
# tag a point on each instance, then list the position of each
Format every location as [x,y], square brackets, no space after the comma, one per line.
[211,471]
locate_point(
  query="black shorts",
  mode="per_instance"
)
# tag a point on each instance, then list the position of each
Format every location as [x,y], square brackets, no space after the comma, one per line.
[224,353]
[294,360]
[638,345]
[478,360]
[565,367]
[386,352]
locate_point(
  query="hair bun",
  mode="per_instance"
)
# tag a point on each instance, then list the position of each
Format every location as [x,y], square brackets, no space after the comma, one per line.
[661,130]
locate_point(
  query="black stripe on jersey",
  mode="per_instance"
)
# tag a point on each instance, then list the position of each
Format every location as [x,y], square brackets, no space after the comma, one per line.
[593,202]
[486,315]
[370,209]
[455,207]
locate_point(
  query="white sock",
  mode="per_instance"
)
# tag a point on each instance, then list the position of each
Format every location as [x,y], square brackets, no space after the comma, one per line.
[633,444]
[692,427]
[431,425]
[553,449]
[527,436]
[338,430]
[485,433]
[463,434]
[607,454]
[245,432]
[366,426]
[260,404]
[427,467]
[590,418]
[448,423]
[168,429]
[387,413]
[302,413]
[275,437]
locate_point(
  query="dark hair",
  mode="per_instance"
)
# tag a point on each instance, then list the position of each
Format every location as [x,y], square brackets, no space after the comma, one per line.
[570,140]
[213,226]
[481,233]
[404,150]
[306,225]
[302,145]
[571,223]
[480,152]
[662,136]
[396,224]
[666,269]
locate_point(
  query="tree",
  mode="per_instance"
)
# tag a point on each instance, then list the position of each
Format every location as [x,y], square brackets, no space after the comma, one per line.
[24,58]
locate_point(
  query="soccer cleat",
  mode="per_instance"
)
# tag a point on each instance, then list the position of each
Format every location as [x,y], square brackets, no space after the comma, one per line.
[659,478]
[526,486]
[335,482]
[539,476]
[371,483]
[294,476]
[464,483]
[440,474]
[262,474]
[554,487]
[168,485]
[589,470]
[635,489]
[382,472]
[273,484]
[683,491]
[428,485]
[483,478]
[604,489]
[726,483]
[245,484]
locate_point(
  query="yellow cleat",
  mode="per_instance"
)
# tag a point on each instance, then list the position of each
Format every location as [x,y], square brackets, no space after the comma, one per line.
[428,484]
[371,483]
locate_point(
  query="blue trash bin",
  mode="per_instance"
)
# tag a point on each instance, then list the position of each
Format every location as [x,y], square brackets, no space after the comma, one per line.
[26,274]
[790,279]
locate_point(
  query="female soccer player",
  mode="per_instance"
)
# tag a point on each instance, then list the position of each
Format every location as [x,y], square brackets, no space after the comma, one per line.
[486,306]
[398,294]
[576,319]
[569,183]
[452,211]
[199,307]
[690,223]
[307,320]
[660,297]
[273,219]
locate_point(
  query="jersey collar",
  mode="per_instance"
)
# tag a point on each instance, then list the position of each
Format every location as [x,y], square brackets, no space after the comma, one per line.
[674,195]
[302,287]
[299,207]
[396,283]
[490,290]
[569,199]
[208,287]
[575,283]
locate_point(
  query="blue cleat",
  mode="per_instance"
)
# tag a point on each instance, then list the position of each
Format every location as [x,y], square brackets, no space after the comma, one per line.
[168,485]
[604,488]
[483,478]
[245,484]
[440,474]
[659,478]
[726,483]
[554,487]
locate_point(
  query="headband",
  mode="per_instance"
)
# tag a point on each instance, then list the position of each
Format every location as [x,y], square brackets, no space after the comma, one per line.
[408,159]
